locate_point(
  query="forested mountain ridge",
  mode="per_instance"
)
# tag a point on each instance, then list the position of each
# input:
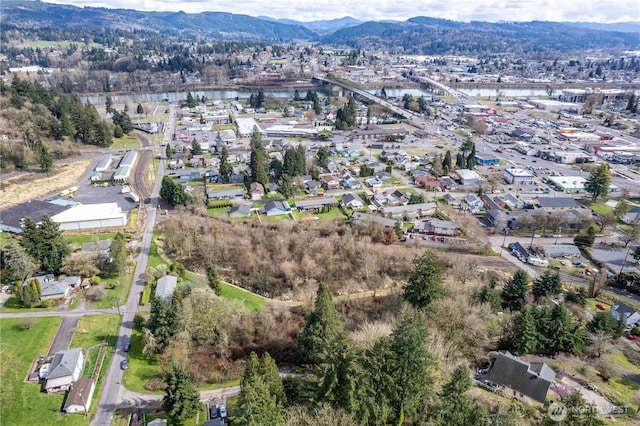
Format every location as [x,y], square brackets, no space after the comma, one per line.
[417,35]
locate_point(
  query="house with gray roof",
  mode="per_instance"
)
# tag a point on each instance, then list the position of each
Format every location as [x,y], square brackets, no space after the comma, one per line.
[64,370]
[557,203]
[243,210]
[166,286]
[80,396]
[275,208]
[409,211]
[315,204]
[59,289]
[630,316]
[519,378]
[364,219]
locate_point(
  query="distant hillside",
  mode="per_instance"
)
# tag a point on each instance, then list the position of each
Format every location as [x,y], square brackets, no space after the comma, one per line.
[219,25]
[423,35]
[418,35]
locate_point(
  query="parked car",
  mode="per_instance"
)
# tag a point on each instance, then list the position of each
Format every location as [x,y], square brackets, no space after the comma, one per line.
[632,336]
[127,346]
[601,307]
[213,412]
[222,409]
[124,364]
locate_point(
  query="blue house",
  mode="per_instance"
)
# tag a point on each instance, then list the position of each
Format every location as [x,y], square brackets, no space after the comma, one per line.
[486,160]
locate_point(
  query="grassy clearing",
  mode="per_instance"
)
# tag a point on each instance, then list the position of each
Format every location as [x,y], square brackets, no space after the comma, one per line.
[332,214]
[154,256]
[23,402]
[125,142]
[251,301]
[13,305]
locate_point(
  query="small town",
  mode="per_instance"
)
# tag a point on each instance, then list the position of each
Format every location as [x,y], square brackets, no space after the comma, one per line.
[330,228]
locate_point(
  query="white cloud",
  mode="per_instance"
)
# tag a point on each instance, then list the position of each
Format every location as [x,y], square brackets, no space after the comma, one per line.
[459,10]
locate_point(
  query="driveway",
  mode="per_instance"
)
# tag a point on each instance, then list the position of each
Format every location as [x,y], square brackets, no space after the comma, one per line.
[64,334]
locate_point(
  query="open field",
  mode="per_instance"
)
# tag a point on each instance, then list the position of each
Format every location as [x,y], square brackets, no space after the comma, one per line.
[23,402]
[125,142]
[25,187]
[251,301]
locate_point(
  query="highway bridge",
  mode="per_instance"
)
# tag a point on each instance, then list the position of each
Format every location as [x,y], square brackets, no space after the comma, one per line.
[388,105]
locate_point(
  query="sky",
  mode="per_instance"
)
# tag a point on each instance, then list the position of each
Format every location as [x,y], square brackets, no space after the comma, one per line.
[604,11]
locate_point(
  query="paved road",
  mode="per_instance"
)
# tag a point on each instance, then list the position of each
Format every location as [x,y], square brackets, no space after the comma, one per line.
[112,391]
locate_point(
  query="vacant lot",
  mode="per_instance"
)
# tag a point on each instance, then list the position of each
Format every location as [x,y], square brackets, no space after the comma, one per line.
[23,402]
[29,186]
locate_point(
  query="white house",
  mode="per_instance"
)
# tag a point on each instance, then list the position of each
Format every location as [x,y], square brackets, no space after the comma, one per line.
[518,176]
[80,396]
[353,201]
[64,370]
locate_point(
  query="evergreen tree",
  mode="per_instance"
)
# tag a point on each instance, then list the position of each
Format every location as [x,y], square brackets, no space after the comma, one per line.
[118,252]
[455,406]
[446,163]
[515,291]
[285,186]
[523,336]
[258,163]
[598,182]
[212,278]
[44,242]
[604,321]
[547,284]
[257,404]
[27,295]
[323,326]
[191,101]
[271,375]
[290,164]
[181,400]
[425,280]
[108,104]
[46,160]
[302,160]
[336,376]
[322,157]
[162,321]
[489,295]
[560,333]
[15,261]
[140,109]
[196,148]
[225,167]
[172,192]
[411,367]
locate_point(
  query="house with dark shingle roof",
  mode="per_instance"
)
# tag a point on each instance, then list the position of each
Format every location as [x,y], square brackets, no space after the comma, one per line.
[64,370]
[630,316]
[519,378]
[80,395]
[275,208]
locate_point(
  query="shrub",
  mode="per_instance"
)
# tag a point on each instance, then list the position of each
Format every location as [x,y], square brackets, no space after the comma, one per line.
[45,303]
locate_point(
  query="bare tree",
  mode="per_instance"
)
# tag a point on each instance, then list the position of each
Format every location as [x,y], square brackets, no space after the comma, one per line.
[596,284]
[464,271]
[599,343]
[627,237]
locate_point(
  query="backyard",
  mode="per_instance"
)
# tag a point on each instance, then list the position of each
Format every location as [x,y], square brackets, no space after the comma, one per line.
[21,401]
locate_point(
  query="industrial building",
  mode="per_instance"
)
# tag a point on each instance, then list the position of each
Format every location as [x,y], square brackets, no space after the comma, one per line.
[12,219]
[89,216]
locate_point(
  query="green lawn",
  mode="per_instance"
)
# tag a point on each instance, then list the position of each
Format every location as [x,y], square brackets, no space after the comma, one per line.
[23,402]
[125,142]
[141,368]
[332,214]
[4,238]
[251,301]
[154,257]
[599,206]
[95,329]
[117,289]
[13,305]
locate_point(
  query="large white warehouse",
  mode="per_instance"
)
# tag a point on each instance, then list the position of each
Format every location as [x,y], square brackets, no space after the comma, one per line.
[88,216]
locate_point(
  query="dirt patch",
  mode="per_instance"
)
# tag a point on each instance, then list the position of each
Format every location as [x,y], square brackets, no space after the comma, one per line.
[29,186]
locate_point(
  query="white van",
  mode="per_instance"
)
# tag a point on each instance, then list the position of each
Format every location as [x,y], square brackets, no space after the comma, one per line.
[536,261]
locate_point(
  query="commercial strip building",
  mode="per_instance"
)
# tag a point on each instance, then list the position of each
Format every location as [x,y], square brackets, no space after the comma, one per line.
[518,177]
